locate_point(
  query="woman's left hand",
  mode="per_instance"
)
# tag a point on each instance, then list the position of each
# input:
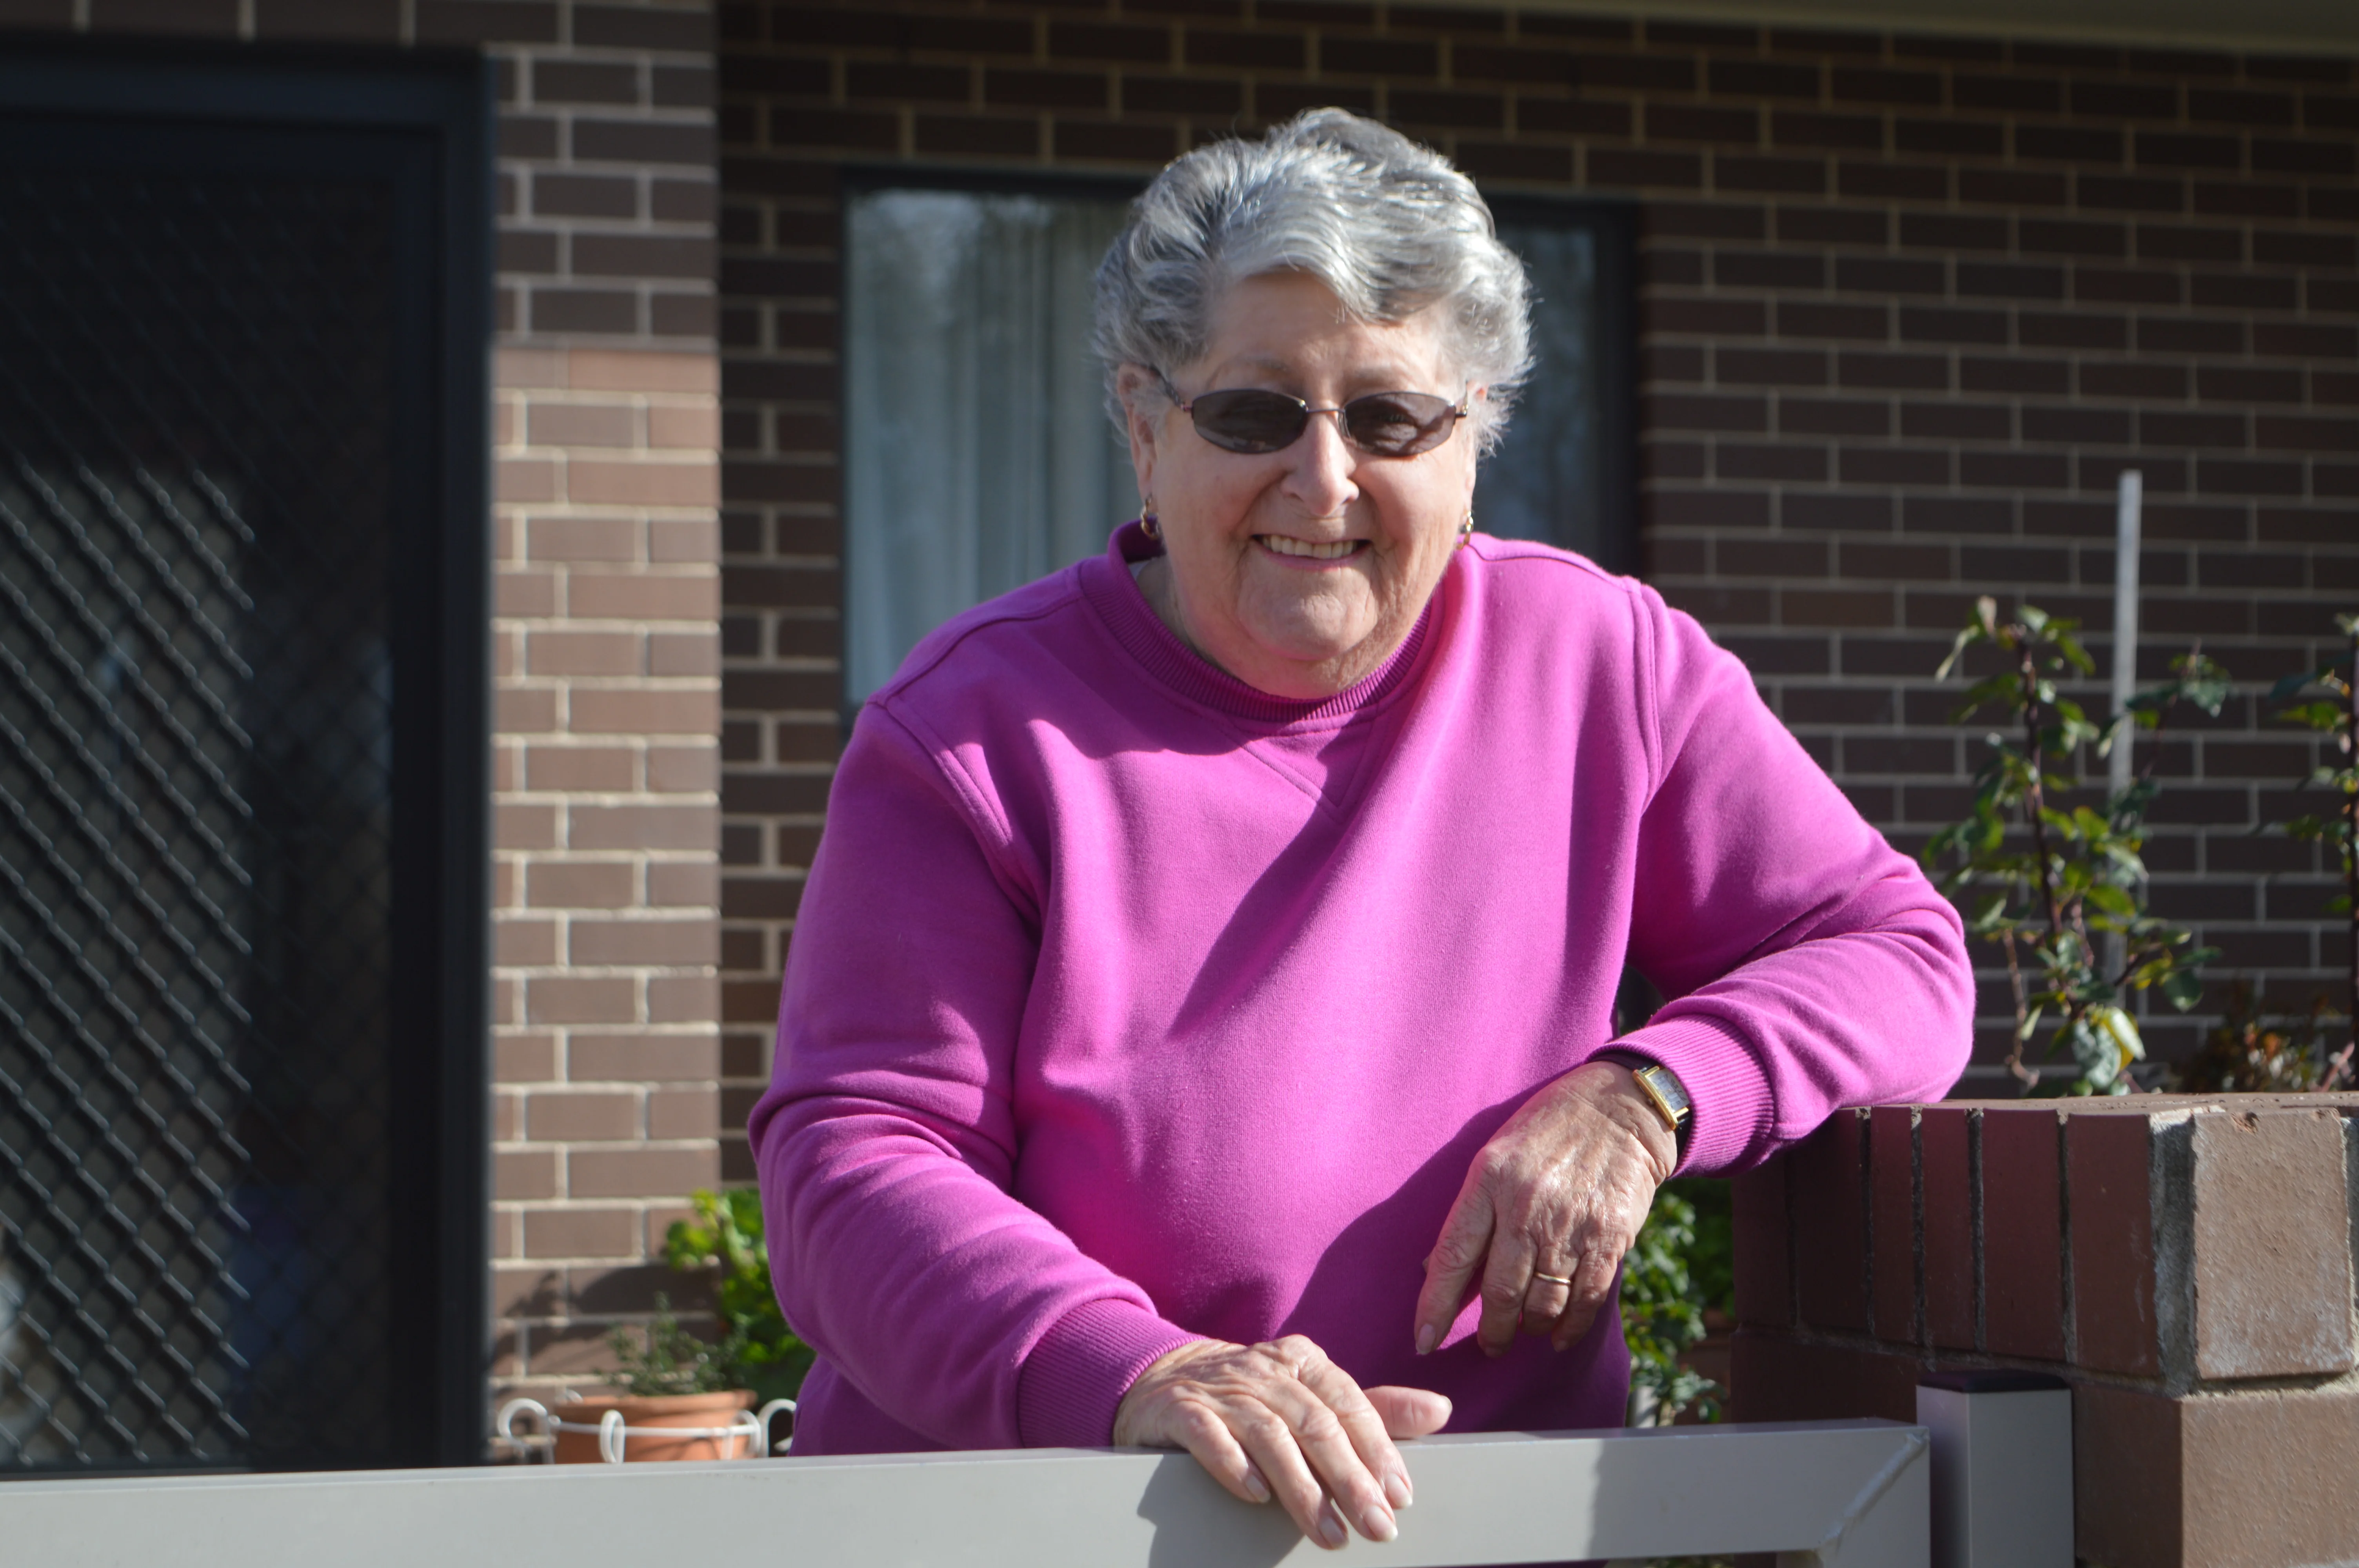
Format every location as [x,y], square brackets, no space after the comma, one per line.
[1562,1189]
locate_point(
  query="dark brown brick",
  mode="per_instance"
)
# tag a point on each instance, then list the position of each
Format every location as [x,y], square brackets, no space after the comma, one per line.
[2234,107]
[1481,62]
[1377,57]
[1107,141]
[1180,95]
[1513,160]
[642,27]
[2022,1233]
[2245,199]
[1763,1258]
[1892,1163]
[1763,78]
[968,134]
[1782,175]
[1691,122]
[1615,166]
[2015,373]
[1833,417]
[1799,319]
[915,84]
[2068,143]
[578,81]
[484,22]
[2123,100]
[1869,85]
[2173,242]
[1656,73]
[2234,291]
[1957,421]
[2059,237]
[2169,334]
[583,310]
[1937,324]
[2014,94]
[2013,470]
[1876,274]
[1781,464]
[1806,128]
[1827,1173]
[1767,269]
[2165,149]
[643,142]
[2075,329]
[1810,223]
[2013,188]
[641,256]
[1044,89]
[1257,51]
[835,128]
[1573,117]
[1906,182]
[357,21]
[1459,111]
[1283,99]
[2127,195]
[2274,155]
[1100,40]
[2124,286]
[1946,1198]
[1895,465]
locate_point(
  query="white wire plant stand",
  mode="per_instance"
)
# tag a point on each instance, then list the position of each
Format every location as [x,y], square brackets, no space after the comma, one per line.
[751,1428]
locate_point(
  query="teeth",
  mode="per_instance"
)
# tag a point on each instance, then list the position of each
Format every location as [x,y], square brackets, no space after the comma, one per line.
[1334,550]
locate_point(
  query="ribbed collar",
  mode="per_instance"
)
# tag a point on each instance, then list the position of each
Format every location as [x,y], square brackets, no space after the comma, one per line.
[1115,594]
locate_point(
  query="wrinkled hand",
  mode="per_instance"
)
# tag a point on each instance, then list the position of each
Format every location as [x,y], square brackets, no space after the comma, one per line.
[1282,1419]
[1562,1189]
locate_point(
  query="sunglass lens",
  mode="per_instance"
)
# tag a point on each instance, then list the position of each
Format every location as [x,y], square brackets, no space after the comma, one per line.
[1248,419]
[1398,424]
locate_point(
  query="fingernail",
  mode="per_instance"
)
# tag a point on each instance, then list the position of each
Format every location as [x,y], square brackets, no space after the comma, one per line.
[1397,1490]
[1426,1337]
[1256,1486]
[1331,1528]
[1379,1526]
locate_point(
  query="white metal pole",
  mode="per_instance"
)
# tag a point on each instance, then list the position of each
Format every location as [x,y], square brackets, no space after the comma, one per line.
[2127,524]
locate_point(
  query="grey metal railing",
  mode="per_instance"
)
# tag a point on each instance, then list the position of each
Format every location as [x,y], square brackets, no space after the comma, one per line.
[1853,1494]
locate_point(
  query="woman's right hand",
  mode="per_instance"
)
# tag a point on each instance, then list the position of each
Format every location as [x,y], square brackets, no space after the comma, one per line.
[1280,1420]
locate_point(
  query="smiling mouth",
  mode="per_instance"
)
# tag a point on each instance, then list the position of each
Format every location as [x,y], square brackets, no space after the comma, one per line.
[1332,550]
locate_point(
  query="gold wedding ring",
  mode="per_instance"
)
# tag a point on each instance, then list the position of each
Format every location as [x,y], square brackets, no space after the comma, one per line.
[1553,1279]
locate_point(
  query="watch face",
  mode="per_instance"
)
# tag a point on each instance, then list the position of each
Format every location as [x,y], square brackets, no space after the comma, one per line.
[1674,1094]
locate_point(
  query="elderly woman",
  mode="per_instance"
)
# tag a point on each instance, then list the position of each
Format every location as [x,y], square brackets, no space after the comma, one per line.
[1198,1025]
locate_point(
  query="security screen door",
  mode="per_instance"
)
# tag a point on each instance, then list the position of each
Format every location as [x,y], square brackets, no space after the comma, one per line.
[242,761]
[978,455]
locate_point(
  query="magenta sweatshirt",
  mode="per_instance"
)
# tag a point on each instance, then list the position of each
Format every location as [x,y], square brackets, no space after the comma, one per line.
[1129,1004]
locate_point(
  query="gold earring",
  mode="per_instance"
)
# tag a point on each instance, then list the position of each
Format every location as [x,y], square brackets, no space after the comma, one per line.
[1148,522]
[1466,529]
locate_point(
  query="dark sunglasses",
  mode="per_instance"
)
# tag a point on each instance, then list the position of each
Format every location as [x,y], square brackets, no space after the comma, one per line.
[1387,424]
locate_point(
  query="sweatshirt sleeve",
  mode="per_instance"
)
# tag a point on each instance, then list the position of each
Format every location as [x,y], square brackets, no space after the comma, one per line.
[888,1141]
[1807,964]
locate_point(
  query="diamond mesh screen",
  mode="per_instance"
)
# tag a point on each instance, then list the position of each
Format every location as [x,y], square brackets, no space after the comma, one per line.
[197,379]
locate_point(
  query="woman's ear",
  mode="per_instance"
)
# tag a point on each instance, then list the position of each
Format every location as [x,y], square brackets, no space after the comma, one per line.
[1143,403]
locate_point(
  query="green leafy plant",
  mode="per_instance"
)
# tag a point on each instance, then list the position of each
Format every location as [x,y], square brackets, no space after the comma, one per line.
[668,1359]
[1680,1267]
[2326,700]
[724,1240]
[2074,876]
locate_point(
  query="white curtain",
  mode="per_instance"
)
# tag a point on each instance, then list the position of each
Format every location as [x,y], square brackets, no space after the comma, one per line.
[978,453]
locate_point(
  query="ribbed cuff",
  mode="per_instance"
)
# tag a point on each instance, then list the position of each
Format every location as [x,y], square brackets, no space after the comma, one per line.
[1076,1376]
[1732,1105]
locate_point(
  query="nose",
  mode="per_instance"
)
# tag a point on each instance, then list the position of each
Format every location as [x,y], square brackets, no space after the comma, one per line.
[1321,466]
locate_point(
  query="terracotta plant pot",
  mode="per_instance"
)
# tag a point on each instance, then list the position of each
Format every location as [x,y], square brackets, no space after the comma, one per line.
[690,1411]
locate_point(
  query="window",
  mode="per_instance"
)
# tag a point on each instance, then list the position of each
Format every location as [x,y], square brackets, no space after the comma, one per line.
[978,454]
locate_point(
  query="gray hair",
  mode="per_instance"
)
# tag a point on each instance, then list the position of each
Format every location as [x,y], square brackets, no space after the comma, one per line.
[1386,223]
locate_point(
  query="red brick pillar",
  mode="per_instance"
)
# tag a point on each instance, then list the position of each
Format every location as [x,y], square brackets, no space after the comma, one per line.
[2184,1262]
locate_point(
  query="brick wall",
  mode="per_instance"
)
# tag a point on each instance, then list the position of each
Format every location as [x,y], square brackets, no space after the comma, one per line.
[605,630]
[1909,304]
[2185,1264]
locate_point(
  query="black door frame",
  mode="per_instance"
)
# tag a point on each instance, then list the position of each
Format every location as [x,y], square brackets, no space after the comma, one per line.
[265,97]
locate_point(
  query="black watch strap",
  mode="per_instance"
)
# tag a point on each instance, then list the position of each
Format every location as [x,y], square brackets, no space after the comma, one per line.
[1663,1091]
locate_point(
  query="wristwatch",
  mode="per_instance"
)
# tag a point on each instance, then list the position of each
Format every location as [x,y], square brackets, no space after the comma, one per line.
[1663,1091]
